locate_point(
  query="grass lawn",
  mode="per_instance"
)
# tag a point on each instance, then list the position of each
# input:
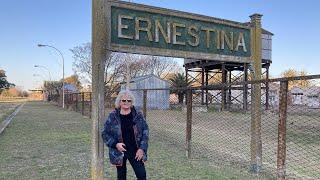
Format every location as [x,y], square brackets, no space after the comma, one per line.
[45,142]
[6,108]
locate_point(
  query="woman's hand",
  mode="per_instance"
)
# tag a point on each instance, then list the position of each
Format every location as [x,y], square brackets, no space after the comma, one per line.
[120,147]
[139,154]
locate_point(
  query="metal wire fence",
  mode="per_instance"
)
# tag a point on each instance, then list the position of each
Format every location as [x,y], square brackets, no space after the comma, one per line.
[277,138]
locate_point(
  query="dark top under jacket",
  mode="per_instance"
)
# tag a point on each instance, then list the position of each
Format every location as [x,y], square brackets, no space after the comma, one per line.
[128,134]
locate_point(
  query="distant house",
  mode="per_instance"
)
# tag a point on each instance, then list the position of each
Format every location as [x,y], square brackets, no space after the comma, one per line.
[37,94]
[312,95]
[156,99]
[309,96]
[274,90]
[297,96]
[70,88]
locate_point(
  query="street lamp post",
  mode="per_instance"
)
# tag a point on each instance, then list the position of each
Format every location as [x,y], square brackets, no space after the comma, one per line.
[44,45]
[39,66]
[40,76]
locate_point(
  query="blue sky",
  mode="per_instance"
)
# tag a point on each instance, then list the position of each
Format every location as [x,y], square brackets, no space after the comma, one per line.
[67,23]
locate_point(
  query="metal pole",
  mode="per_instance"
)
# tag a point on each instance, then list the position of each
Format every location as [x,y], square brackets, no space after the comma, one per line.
[281,157]
[45,45]
[229,89]
[90,104]
[39,66]
[186,70]
[189,123]
[223,90]
[145,103]
[267,87]
[77,101]
[82,97]
[62,80]
[202,85]
[127,73]
[207,83]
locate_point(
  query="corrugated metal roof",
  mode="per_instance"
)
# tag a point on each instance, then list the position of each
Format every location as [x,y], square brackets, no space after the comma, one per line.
[141,78]
[70,87]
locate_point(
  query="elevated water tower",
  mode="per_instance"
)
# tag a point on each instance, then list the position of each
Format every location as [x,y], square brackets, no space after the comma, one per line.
[207,72]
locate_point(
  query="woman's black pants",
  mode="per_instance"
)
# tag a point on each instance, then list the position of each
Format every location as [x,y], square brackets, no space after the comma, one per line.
[137,166]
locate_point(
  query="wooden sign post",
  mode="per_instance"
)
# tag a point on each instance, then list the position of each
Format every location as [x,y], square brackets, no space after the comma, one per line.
[256,143]
[134,28]
[100,52]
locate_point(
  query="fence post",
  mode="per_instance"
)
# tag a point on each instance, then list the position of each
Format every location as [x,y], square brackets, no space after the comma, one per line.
[267,88]
[223,90]
[82,94]
[90,104]
[281,157]
[67,100]
[189,123]
[229,90]
[77,100]
[70,100]
[202,85]
[145,103]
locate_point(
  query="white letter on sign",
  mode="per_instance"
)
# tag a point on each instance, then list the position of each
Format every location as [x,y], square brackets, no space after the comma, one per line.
[121,26]
[241,42]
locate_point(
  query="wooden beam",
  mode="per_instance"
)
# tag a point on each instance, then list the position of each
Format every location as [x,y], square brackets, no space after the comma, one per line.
[100,45]
[256,143]
[245,88]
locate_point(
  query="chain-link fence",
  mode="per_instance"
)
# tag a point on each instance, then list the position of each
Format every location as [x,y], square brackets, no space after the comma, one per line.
[79,102]
[82,102]
[273,135]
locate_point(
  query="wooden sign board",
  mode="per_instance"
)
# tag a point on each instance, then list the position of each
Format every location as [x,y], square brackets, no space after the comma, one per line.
[142,29]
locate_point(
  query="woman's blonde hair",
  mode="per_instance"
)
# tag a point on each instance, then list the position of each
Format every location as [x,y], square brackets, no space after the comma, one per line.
[122,93]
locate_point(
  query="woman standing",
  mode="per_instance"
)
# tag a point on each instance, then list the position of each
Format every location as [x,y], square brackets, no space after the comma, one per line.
[126,134]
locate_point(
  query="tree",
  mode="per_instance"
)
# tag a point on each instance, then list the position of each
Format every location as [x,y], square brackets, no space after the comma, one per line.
[24,94]
[4,84]
[14,92]
[82,62]
[116,68]
[140,65]
[297,83]
[74,79]
[159,66]
[179,81]
[53,89]
[82,65]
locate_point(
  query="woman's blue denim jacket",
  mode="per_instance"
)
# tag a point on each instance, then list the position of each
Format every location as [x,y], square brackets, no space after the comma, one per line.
[112,135]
